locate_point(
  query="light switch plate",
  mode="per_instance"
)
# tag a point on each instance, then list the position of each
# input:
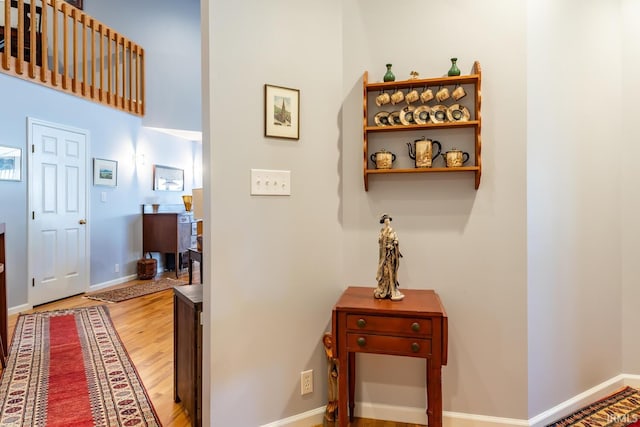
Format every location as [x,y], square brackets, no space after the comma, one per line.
[265,182]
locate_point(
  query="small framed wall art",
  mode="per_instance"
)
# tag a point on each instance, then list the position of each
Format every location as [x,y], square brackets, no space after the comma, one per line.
[166,178]
[105,172]
[10,163]
[281,112]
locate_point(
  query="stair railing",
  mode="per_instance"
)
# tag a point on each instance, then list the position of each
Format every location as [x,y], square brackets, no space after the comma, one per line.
[52,43]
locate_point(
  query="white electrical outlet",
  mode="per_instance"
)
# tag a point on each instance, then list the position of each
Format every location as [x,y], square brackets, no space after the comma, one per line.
[117,268]
[306,382]
[270,182]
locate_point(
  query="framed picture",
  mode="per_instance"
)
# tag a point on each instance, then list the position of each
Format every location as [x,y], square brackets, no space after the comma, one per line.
[105,172]
[75,3]
[166,178]
[281,112]
[10,163]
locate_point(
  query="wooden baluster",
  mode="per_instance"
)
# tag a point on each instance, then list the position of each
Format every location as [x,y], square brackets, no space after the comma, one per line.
[44,56]
[109,65]
[142,83]
[137,77]
[92,33]
[54,66]
[130,75]
[101,89]
[124,74]
[74,79]
[83,19]
[6,55]
[33,51]
[20,34]
[116,82]
[65,48]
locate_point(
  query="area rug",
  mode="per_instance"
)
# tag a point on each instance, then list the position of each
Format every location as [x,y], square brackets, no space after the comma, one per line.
[137,290]
[69,368]
[620,409]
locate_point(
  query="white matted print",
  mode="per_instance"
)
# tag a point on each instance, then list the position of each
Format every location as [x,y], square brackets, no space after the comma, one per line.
[281,112]
[105,172]
[10,163]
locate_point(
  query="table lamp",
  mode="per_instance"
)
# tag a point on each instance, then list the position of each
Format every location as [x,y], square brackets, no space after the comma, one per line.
[198,212]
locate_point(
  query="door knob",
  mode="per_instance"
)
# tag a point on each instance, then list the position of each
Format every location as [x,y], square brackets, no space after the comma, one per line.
[82,221]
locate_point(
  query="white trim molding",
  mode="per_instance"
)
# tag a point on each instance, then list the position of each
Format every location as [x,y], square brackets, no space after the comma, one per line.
[313,417]
[458,419]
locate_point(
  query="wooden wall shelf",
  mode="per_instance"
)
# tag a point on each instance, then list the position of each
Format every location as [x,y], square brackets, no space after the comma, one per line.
[370,130]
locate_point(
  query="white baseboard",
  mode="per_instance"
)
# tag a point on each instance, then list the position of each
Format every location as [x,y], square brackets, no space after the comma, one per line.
[19,309]
[458,419]
[113,282]
[313,417]
[573,404]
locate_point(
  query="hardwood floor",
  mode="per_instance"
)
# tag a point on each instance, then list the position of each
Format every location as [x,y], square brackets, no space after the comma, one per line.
[145,325]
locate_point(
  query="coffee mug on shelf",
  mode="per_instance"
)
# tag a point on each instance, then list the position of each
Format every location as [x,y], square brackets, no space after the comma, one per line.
[442,94]
[412,96]
[458,93]
[382,99]
[397,97]
[426,95]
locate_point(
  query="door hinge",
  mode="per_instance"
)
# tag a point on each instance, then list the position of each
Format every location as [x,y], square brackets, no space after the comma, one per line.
[33,214]
[33,282]
[33,148]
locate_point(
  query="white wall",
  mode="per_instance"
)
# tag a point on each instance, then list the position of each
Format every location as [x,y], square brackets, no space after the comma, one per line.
[273,262]
[170,34]
[575,154]
[629,146]
[468,245]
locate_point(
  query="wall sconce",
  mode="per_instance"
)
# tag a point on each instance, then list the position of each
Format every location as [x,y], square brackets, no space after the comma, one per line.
[140,160]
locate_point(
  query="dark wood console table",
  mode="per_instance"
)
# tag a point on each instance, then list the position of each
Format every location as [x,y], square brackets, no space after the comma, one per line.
[415,327]
[167,232]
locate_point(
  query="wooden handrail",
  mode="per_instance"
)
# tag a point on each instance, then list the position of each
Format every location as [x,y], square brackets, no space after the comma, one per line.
[78,64]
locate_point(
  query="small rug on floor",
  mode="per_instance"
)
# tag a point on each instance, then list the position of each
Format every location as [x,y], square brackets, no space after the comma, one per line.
[137,290]
[69,368]
[620,409]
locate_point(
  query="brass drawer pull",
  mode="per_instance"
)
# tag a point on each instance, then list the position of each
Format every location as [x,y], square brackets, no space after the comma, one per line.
[361,323]
[415,326]
[415,347]
[361,341]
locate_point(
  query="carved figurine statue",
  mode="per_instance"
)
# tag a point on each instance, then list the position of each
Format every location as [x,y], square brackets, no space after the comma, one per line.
[332,378]
[388,262]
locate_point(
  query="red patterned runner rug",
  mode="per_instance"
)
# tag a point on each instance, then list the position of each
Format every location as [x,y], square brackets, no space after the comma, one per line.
[620,409]
[69,368]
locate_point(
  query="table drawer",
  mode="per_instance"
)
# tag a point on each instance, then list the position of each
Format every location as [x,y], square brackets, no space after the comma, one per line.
[389,345]
[409,326]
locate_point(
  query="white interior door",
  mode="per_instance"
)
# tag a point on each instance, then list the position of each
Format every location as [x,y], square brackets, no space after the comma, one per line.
[58,238]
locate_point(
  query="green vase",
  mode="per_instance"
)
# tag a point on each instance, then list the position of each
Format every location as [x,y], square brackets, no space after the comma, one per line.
[388,76]
[454,70]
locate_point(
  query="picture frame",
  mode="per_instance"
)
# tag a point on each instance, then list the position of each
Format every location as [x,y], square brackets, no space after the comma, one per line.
[76,3]
[10,163]
[166,178]
[281,112]
[105,172]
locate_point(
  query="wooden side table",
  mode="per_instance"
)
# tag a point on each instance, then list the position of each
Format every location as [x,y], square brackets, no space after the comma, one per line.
[415,327]
[187,350]
[194,255]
